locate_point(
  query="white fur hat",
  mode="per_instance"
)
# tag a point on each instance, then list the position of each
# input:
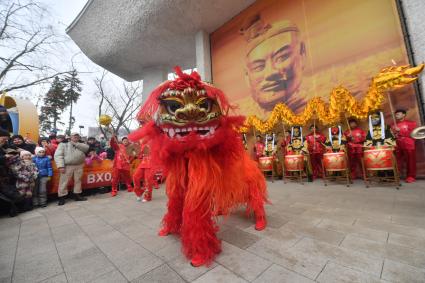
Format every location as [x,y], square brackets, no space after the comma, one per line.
[24,152]
[38,149]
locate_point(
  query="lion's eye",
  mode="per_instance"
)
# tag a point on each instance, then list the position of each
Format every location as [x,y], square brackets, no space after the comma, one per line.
[206,105]
[172,106]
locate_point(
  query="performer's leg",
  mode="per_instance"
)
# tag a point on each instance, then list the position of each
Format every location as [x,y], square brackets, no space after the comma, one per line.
[148,193]
[256,194]
[411,165]
[137,180]
[317,167]
[198,233]
[115,181]
[148,183]
[172,220]
[353,164]
[155,182]
[127,179]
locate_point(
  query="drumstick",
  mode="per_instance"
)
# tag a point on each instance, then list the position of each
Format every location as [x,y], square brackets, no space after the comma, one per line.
[391,108]
[390,101]
[284,130]
[348,124]
[314,134]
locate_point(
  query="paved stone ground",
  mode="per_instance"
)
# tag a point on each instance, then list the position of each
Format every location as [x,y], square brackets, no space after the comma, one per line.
[315,233]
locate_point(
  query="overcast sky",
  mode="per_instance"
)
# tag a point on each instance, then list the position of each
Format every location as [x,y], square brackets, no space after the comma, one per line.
[85,111]
[63,12]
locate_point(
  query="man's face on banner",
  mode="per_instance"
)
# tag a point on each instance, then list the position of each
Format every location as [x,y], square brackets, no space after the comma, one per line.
[274,69]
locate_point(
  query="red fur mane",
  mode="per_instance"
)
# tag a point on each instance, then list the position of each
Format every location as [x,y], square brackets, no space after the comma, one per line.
[207,176]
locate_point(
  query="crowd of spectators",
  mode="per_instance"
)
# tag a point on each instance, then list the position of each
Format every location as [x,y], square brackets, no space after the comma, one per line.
[26,167]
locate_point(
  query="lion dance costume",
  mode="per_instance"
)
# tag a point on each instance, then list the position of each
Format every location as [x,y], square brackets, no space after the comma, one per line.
[208,172]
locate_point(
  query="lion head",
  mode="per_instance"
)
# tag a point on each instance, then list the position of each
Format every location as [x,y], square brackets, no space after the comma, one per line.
[188,113]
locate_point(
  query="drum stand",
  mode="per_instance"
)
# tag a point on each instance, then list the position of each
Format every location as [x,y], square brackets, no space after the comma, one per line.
[269,173]
[345,174]
[298,175]
[382,176]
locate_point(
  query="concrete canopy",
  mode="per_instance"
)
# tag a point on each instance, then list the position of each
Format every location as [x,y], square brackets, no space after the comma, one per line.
[129,37]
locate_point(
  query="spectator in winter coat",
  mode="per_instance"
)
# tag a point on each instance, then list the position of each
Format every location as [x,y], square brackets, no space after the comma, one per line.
[69,158]
[7,179]
[45,173]
[26,174]
[19,142]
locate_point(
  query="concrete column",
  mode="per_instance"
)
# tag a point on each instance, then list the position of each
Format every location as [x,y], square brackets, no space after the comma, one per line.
[413,12]
[203,56]
[152,77]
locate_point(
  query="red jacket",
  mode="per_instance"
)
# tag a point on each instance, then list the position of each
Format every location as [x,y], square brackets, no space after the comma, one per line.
[315,143]
[144,157]
[284,143]
[356,137]
[259,149]
[404,141]
[50,150]
[121,160]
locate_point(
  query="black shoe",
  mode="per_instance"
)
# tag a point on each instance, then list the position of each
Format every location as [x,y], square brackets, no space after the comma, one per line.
[61,201]
[28,205]
[78,197]
[13,210]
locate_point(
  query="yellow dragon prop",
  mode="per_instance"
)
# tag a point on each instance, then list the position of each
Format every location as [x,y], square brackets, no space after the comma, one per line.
[340,100]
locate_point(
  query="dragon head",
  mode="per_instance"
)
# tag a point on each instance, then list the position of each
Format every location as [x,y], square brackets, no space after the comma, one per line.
[396,76]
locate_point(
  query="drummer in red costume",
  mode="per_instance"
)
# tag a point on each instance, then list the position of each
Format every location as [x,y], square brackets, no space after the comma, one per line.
[286,139]
[121,167]
[336,141]
[259,148]
[144,173]
[355,137]
[315,141]
[405,150]
[298,145]
[379,134]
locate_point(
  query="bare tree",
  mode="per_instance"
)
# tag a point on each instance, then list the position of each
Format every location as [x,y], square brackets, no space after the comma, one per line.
[26,41]
[121,104]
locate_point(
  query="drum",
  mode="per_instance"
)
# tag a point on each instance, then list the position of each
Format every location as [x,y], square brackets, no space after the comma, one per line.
[294,162]
[334,161]
[266,163]
[378,159]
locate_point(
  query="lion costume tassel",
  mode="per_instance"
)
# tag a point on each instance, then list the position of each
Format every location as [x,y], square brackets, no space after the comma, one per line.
[208,172]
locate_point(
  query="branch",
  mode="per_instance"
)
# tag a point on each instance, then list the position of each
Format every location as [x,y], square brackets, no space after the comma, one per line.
[39,81]
[10,13]
[25,51]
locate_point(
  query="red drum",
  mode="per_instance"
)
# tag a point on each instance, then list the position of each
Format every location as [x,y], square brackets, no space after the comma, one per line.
[378,159]
[294,162]
[266,163]
[334,161]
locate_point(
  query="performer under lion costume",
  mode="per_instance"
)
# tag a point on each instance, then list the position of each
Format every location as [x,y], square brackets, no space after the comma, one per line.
[208,172]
